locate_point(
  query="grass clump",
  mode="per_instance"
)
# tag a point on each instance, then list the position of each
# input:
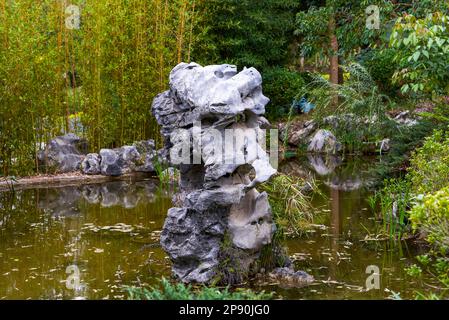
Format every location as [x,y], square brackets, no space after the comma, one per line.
[291,203]
[180,291]
[394,202]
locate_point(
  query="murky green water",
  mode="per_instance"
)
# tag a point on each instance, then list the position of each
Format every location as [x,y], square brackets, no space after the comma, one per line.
[109,233]
[44,231]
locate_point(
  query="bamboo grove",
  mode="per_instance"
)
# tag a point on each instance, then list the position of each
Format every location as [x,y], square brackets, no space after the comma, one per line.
[88,67]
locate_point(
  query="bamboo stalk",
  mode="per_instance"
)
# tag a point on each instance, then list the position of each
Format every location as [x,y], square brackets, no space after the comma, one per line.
[191,31]
[181,30]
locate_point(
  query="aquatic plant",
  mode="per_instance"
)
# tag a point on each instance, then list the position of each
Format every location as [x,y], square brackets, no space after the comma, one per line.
[427,174]
[403,143]
[434,264]
[180,291]
[291,201]
[414,271]
[393,203]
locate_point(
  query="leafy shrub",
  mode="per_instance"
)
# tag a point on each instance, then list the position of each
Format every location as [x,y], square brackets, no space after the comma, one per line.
[431,215]
[380,65]
[414,271]
[181,291]
[429,169]
[422,48]
[403,143]
[247,32]
[281,86]
[439,114]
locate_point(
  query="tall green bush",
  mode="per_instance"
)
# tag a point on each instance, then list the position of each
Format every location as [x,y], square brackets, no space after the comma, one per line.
[281,86]
[429,170]
[248,33]
[380,65]
[422,48]
[431,216]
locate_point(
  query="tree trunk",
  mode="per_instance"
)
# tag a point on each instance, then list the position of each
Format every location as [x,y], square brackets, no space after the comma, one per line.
[333,56]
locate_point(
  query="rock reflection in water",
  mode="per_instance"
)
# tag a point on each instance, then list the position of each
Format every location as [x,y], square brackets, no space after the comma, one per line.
[332,170]
[65,201]
[45,231]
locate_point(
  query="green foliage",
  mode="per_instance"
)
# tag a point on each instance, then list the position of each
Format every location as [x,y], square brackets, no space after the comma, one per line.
[431,216]
[181,291]
[414,271]
[429,170]
[31,97]
[423,259]
[108,71]
[422,48]
[403,142]
[361,107]
[427,174]
[379,64]
[291,205]
[440,112]
[281,86]
[248,33]
[436,265]
[312,26]
[359,95]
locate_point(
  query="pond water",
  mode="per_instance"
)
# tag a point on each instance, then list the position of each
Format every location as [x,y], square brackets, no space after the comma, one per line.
[108,234]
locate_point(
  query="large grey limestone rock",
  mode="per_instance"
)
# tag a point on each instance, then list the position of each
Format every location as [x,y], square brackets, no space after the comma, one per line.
[62,153]
[217,199]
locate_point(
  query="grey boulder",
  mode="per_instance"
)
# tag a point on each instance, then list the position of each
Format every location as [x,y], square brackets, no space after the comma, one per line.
[91,164]
[136,158]
[62,153]
[324,142]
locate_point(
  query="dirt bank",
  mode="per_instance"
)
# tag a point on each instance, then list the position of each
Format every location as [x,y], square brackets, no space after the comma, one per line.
[67,179]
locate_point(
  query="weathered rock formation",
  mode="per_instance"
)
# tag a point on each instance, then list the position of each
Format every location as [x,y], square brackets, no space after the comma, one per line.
[64,154]
[297,132]
[320,138]
[324,142]
[219,215]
